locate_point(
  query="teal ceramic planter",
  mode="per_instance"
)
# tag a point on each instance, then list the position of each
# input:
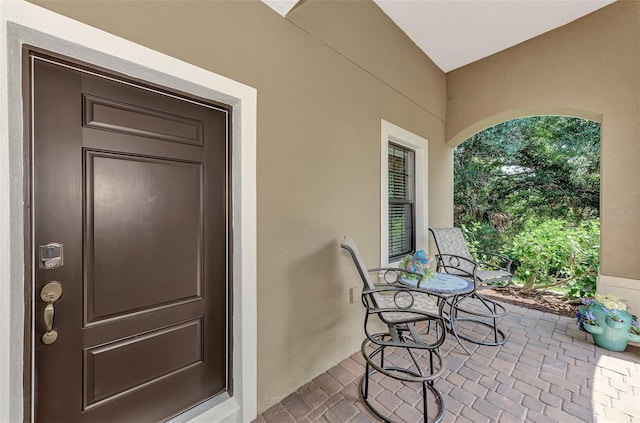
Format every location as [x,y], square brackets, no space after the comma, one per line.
[609,334]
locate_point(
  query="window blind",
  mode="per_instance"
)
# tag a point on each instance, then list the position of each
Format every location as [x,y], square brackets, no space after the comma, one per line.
[401,201]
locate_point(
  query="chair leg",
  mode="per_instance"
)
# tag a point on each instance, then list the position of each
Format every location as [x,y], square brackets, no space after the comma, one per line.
[406,374]
[453,317]
[425,410]
[495,325]
[494,312]
[365,382]
[493,308]
[413,358]
[430,361]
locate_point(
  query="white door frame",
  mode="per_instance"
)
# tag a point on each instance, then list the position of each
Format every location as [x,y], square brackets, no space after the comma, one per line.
[24,23]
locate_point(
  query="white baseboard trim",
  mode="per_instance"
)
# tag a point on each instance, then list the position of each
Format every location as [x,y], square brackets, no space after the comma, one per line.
[629,289]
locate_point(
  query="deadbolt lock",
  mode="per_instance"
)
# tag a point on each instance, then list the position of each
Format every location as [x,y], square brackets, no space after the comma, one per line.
[51,256]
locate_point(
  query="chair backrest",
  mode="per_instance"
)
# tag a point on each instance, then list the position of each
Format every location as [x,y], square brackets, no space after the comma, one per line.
[392,309]
[451,241]
[349,244]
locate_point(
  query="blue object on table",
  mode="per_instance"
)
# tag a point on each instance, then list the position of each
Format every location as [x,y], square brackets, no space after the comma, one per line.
[442,283]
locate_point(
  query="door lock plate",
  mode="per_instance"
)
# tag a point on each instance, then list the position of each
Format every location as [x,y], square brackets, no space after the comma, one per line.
[51,256]
[51,292]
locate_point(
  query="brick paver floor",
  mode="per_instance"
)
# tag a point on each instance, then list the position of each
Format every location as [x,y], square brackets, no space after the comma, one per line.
[548,371]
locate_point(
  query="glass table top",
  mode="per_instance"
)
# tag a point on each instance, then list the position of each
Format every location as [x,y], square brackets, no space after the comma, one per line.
[442,283]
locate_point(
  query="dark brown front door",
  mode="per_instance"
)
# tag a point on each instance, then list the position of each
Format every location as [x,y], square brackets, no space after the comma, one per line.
[133,183]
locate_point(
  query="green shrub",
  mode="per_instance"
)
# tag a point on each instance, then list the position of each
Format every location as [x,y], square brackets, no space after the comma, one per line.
[556,253]
[482,236]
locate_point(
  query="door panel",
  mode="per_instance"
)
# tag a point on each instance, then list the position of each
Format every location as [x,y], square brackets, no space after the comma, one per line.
[129,245]
[104,377]
[101,113]
[134,184]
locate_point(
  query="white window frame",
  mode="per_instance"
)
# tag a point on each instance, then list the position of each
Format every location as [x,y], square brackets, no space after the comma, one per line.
[391,133]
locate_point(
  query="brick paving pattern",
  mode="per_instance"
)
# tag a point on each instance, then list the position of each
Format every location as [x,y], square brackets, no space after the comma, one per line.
[548,371]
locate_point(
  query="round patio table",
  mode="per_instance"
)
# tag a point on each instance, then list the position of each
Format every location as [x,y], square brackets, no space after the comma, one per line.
[451,288]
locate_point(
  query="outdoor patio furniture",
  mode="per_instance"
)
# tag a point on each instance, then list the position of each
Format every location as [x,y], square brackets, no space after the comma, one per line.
[450,288]
[455,258]
[401,309]
[492,269]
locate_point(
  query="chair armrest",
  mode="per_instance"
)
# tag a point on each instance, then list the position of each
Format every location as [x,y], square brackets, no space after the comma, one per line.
[448,262]
[404,300]
[394,271]
[400,307]
[506,261]
[401,287]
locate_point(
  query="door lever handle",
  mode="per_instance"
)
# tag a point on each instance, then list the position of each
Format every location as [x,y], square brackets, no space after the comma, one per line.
[49,311]
[50,293]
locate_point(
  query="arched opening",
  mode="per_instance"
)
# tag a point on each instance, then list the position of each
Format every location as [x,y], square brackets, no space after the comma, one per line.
[530,188]
[453,140]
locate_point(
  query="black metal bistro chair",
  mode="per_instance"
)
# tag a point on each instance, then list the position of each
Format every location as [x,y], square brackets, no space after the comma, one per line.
[407,313]
[494,270]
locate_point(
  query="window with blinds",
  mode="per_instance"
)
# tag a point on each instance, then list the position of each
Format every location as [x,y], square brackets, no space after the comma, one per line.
[402,201]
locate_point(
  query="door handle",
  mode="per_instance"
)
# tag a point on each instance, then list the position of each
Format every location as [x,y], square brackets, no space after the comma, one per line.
[49,311]
[50,293]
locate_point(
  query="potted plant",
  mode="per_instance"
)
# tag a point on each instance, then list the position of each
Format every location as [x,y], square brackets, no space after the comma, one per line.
[606,318]
[589,319]
[613,318]
[416,263]
[635,326]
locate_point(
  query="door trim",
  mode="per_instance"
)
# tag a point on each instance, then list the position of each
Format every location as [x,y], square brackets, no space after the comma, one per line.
[24,23]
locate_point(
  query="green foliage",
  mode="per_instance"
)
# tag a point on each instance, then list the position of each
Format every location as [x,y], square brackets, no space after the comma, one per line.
[470,234]
[543,169]
[536,167]
[558,253]
[482,236]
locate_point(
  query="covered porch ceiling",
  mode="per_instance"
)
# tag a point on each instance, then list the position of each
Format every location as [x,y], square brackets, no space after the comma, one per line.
[454,33]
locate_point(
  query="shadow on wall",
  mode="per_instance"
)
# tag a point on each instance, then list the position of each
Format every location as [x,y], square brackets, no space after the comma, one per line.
[317,301]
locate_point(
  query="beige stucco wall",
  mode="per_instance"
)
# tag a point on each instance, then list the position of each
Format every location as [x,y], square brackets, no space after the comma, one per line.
[589,68]
[323,86]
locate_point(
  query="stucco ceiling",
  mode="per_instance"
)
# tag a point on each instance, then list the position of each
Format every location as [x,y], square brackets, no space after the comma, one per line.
[454,33]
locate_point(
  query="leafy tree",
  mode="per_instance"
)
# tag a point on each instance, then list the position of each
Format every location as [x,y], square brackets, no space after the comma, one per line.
[535,169]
